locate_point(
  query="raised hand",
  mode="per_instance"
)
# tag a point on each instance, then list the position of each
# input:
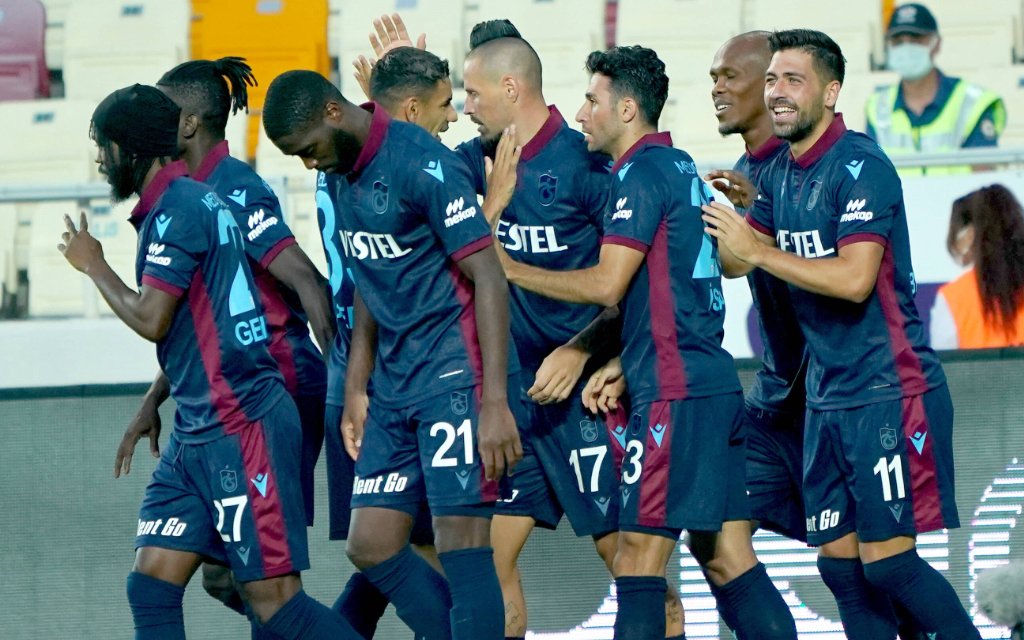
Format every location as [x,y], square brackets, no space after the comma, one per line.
[79,247]
[734,185]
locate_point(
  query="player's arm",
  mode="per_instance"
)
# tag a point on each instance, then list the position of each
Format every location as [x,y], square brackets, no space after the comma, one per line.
[293,268]
[604,283]
[849,276]
[147,313]
[561,369]
[145,423]
[361,355]
[499,444]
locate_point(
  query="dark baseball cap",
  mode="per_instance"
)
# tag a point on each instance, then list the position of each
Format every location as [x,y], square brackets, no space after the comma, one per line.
[912,18]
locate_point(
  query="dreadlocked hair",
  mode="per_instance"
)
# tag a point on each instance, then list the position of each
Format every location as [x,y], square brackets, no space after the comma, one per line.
[214,89]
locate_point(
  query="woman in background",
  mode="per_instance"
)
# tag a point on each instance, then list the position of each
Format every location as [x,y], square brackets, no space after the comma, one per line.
[984,307]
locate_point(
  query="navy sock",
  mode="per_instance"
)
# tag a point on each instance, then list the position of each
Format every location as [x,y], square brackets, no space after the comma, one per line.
[478,611]
[908,629]
[515,637]
[156,608]
[303,617]
[865,611]
[361,604]
[923,592]
[758,607]
[681,636]
[641,613]
[420,594]
[722,604]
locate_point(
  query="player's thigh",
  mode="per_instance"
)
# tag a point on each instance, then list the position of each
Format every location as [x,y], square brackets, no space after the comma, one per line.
[774,469]
[684,465]
[829,507]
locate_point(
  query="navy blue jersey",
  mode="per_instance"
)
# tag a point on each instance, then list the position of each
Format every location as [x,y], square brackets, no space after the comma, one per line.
[215,352]
[258,213]
[844,190]
[554,222]
[779,383]
[408,214]
[673,311]
[328,188]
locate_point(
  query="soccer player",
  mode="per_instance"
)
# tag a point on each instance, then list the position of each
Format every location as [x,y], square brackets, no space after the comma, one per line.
[226,486]
[207,92]
[684,445]
[431,310]
[878,469]
[553,221]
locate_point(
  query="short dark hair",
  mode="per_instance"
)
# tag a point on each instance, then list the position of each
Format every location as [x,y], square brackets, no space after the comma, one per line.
[636,72]
[492,30]
[213,88]
[406,72]
[295,100]
[828,57]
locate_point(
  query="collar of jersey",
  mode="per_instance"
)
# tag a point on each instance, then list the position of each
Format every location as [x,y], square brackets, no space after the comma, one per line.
[660,138]
[378,130]
[933,108]
[547,131]
[156,188]
[211,160]
[766,150]
[835,131]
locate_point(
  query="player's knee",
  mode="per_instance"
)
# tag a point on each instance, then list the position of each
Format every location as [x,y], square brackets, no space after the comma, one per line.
[218,583]
[364,550]
[638,555]
[266,597]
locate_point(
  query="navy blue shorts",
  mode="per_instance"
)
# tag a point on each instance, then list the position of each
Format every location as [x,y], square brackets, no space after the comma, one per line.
[569,466]
[340,477]
[311,413]
[426,451]
[684,466]
[235,501]
[775,444]
[882,470]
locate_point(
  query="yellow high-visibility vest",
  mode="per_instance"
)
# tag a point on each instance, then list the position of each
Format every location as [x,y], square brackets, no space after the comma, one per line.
[946,134]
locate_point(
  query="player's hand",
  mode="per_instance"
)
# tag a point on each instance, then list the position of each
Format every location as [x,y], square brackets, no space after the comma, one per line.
[497,438]
[364,69]
[501,176]
[391,34]
[82,250]
[605,387]
[735,186]
[558,374]
[733,231]
[145,423]
[353,419]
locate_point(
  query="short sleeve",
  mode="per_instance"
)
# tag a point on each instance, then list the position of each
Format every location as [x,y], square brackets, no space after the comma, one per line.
[175,245]
[760,215]
[471,153]
[635,208]
[259,217]
[443,185]
[869,197]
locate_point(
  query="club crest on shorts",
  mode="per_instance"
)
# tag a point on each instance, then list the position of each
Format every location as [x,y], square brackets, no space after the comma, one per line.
[228,480]
[460,403]
[887,436]
[588,430]
[379,198]
[548,189]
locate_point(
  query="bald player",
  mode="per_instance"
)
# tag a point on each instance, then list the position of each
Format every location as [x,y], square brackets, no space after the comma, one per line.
[553,221]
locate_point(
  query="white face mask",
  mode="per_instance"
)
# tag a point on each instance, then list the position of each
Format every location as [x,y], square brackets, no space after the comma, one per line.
[911,61]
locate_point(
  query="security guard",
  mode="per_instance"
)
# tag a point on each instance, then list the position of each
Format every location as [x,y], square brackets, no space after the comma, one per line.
[928,112]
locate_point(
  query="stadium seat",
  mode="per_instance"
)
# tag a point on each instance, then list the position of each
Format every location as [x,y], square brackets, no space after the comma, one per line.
[273,35]
[111,44]
[441,20]
[979,34]
[274,166]
[8,270]
[56,16]
[1008,83]
[563,32]
[23,72]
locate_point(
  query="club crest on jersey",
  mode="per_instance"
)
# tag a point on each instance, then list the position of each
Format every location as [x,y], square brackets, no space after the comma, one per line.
[547,189]
[228,480]
[379,198]
[588,430]
[812,200]
[887,437]
[460,403]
